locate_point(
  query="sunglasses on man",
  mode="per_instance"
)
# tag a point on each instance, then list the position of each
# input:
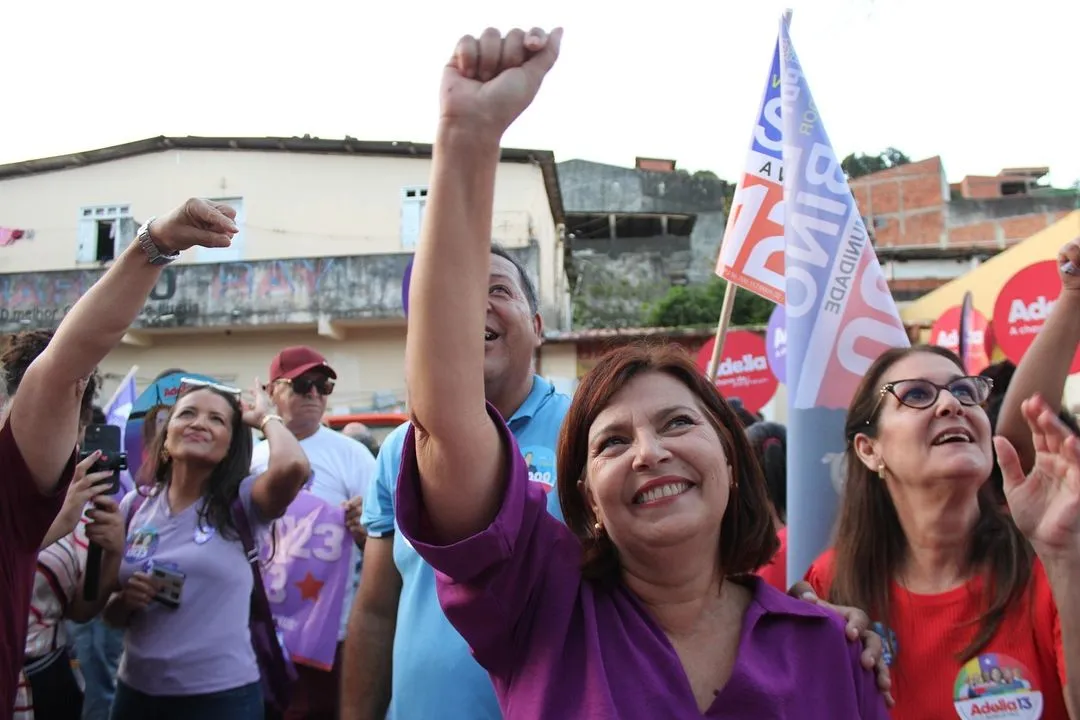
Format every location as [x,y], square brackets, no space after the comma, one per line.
[303,385]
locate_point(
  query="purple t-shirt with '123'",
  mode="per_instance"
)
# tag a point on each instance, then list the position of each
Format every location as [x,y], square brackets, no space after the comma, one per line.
[557,646]
[204,645]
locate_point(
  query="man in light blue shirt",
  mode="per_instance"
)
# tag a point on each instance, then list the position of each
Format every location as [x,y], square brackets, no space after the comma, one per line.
[396,620]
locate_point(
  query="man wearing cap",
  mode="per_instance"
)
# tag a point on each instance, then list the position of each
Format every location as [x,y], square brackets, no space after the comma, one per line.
[342,469]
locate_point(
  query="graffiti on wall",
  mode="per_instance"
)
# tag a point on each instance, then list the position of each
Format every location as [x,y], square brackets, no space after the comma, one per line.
[184,291]
[290,278]
[286,291]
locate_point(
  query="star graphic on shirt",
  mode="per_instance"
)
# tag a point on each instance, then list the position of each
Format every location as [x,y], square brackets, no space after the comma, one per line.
[310,587]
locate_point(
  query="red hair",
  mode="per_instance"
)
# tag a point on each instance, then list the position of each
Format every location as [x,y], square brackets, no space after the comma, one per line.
[747,537]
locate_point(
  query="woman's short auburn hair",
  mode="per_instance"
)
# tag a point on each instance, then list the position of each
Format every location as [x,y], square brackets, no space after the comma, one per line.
[747,536]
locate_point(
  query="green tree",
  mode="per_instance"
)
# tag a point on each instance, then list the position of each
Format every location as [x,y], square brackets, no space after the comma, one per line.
[859,165]
[689,305]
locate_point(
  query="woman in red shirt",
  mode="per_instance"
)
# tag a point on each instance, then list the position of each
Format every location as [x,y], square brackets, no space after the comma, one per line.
[966,597]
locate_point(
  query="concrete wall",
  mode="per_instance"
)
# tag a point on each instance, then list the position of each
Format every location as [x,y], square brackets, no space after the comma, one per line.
[596,187]
[620,279]
[295,205]
[305,292]
[616,288]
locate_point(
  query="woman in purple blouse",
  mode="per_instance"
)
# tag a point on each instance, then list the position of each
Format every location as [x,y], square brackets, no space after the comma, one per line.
[642,605]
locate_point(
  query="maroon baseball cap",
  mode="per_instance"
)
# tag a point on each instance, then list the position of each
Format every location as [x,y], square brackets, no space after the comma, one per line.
[292,362]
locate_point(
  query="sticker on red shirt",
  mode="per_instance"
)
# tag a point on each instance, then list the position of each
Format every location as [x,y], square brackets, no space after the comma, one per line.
[993,686]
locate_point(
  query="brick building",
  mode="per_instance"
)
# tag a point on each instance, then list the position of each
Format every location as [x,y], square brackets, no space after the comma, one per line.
[927,232]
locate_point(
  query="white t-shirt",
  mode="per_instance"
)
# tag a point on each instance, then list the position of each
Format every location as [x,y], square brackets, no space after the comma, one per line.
[343,469]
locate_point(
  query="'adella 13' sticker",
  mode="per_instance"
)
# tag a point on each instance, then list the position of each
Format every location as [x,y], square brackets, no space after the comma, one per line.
[993,686]
[540,461]
[142,545]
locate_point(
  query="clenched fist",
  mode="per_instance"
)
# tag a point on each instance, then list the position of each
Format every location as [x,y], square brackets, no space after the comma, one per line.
[490,80]
[196,222]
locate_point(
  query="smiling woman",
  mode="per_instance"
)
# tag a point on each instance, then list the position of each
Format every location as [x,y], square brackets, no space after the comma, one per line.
[644,606]
[924,545]
[187,585]
[665,504]
[657,397]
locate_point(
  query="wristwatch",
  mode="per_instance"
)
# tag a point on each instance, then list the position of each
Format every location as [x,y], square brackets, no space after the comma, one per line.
[153,252]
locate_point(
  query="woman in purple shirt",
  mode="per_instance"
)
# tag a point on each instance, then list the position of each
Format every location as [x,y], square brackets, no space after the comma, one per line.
[186,579]
[642,606]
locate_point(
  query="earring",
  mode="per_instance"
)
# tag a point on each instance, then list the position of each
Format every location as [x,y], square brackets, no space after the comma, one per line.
[598,527]
[164,455]
[881,471]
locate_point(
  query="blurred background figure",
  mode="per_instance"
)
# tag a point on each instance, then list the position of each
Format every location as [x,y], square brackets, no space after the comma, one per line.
[362,434]
[768,440]
[746,417]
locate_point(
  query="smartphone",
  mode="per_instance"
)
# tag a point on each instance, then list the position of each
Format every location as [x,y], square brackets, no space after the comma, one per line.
[105,438]
[172,582]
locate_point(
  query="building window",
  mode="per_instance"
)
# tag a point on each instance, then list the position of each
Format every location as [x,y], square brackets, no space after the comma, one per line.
[413,204]
[104,231]
[235,251]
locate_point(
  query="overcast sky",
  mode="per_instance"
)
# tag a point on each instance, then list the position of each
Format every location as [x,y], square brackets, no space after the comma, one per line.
[985,85]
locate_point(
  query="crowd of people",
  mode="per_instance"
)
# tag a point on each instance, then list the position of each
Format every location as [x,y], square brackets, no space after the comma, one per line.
[516,552]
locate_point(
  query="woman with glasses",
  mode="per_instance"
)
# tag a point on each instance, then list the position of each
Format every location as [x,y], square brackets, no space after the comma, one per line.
[966,597]
[186,579]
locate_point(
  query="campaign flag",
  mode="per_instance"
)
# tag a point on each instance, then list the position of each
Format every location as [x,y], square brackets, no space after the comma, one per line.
[306,569]
[967,319]
[117,411]
[839,312]
[752,253]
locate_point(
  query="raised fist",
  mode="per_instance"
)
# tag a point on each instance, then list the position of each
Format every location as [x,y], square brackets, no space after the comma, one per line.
[1069,262]
[196,222]
[491,80]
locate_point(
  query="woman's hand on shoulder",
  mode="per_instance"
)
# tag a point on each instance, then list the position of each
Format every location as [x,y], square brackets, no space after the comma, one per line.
[857,627]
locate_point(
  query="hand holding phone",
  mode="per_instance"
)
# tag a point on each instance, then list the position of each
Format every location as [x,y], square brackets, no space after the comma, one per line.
[170,584]
[139,590]
[84,487]
[104,440]
[101,448]
[106,526]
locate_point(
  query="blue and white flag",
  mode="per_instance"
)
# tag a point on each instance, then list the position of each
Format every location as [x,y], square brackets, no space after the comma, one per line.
[839,311]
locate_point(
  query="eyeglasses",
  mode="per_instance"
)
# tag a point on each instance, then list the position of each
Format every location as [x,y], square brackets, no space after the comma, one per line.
[303,385]
[921,394]
[189,384]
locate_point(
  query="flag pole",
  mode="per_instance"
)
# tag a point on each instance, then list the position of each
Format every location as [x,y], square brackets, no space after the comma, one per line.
[123,382]
[721,330]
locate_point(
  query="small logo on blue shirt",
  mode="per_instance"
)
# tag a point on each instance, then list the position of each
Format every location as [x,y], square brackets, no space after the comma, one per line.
[540,461]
